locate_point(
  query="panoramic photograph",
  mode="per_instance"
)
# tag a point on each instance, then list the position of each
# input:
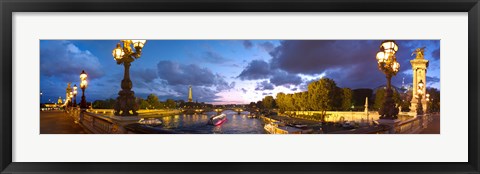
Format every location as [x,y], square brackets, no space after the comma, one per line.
[239,87]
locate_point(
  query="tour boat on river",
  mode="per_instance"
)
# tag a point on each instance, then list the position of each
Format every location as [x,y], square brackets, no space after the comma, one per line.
[217,120]
[150,122]
[281,128]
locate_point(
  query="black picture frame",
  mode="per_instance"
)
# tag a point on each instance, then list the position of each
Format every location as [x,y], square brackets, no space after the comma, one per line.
[10,6]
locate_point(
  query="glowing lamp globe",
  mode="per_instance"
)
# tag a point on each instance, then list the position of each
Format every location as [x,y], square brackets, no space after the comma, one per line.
[396,66]
[118,52]
[138,44]
[420,84]
[83,84]
[381,56]
[75,89]
[389,46]
[83,75]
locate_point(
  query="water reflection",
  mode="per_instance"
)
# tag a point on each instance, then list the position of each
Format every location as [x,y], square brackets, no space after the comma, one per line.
[197,124]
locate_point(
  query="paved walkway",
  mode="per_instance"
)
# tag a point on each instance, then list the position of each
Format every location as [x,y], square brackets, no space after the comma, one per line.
[434,126]
[57,122]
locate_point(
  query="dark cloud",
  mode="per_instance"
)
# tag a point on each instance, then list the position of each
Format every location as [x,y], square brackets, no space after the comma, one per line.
[180,74]
[264,85]
[316,56]
[259,69]
[406,47]
[431,80]
[267,93]
[205,84]
[266,46]
[222,85]
[247,44]
[343,61]
[235,65]
[213,57]
[351,64]
[256,69]
[280,78]
[436,54]
[244,90]
[364,75]
[146,75]
[64,60]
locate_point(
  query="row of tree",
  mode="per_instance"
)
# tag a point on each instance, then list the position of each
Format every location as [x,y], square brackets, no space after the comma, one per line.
[324,95]
[152,102]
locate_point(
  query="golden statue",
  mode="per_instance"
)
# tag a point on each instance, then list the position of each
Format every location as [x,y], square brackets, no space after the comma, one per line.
[126,46]
[419,52]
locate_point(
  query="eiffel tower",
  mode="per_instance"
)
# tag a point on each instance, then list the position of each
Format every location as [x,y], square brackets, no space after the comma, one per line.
[190,94]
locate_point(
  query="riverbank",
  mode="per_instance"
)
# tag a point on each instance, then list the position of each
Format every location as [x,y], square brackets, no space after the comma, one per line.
[317,126]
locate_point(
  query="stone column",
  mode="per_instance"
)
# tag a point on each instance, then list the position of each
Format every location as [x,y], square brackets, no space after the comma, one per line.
[419,67]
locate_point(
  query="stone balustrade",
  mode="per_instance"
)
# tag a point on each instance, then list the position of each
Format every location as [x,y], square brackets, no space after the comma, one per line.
[109,124]
[101,124]
[411,126]
[102,121]
[338,116]
[414,125]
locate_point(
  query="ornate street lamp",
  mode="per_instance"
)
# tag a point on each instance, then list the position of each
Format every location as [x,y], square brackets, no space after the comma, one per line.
[75,95]
[125,55]
[387,63]
[83,86]
[419,97]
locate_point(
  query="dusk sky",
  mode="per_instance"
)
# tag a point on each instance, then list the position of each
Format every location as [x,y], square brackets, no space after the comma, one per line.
[224,71]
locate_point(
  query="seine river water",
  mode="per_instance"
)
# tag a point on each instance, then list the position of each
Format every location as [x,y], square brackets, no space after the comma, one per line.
[197,124]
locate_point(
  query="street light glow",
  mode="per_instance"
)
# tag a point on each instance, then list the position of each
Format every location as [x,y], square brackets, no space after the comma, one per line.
[83,75]
[83,86]
[380,56]
[75,89]
[138,44]
[118,52]
[420,84]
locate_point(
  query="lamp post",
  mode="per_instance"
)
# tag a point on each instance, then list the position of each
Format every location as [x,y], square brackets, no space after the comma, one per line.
[419,97]
[75,95]
[125,55]
[387,63]
[41,97]
[83,86]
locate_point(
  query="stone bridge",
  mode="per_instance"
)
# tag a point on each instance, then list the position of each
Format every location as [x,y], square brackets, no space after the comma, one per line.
[95,121]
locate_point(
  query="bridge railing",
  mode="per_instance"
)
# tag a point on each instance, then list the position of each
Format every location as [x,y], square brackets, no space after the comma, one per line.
[414,125]
[96,122]
[410,126]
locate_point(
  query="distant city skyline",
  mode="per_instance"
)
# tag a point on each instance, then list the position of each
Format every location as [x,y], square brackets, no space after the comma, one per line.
[225,71]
